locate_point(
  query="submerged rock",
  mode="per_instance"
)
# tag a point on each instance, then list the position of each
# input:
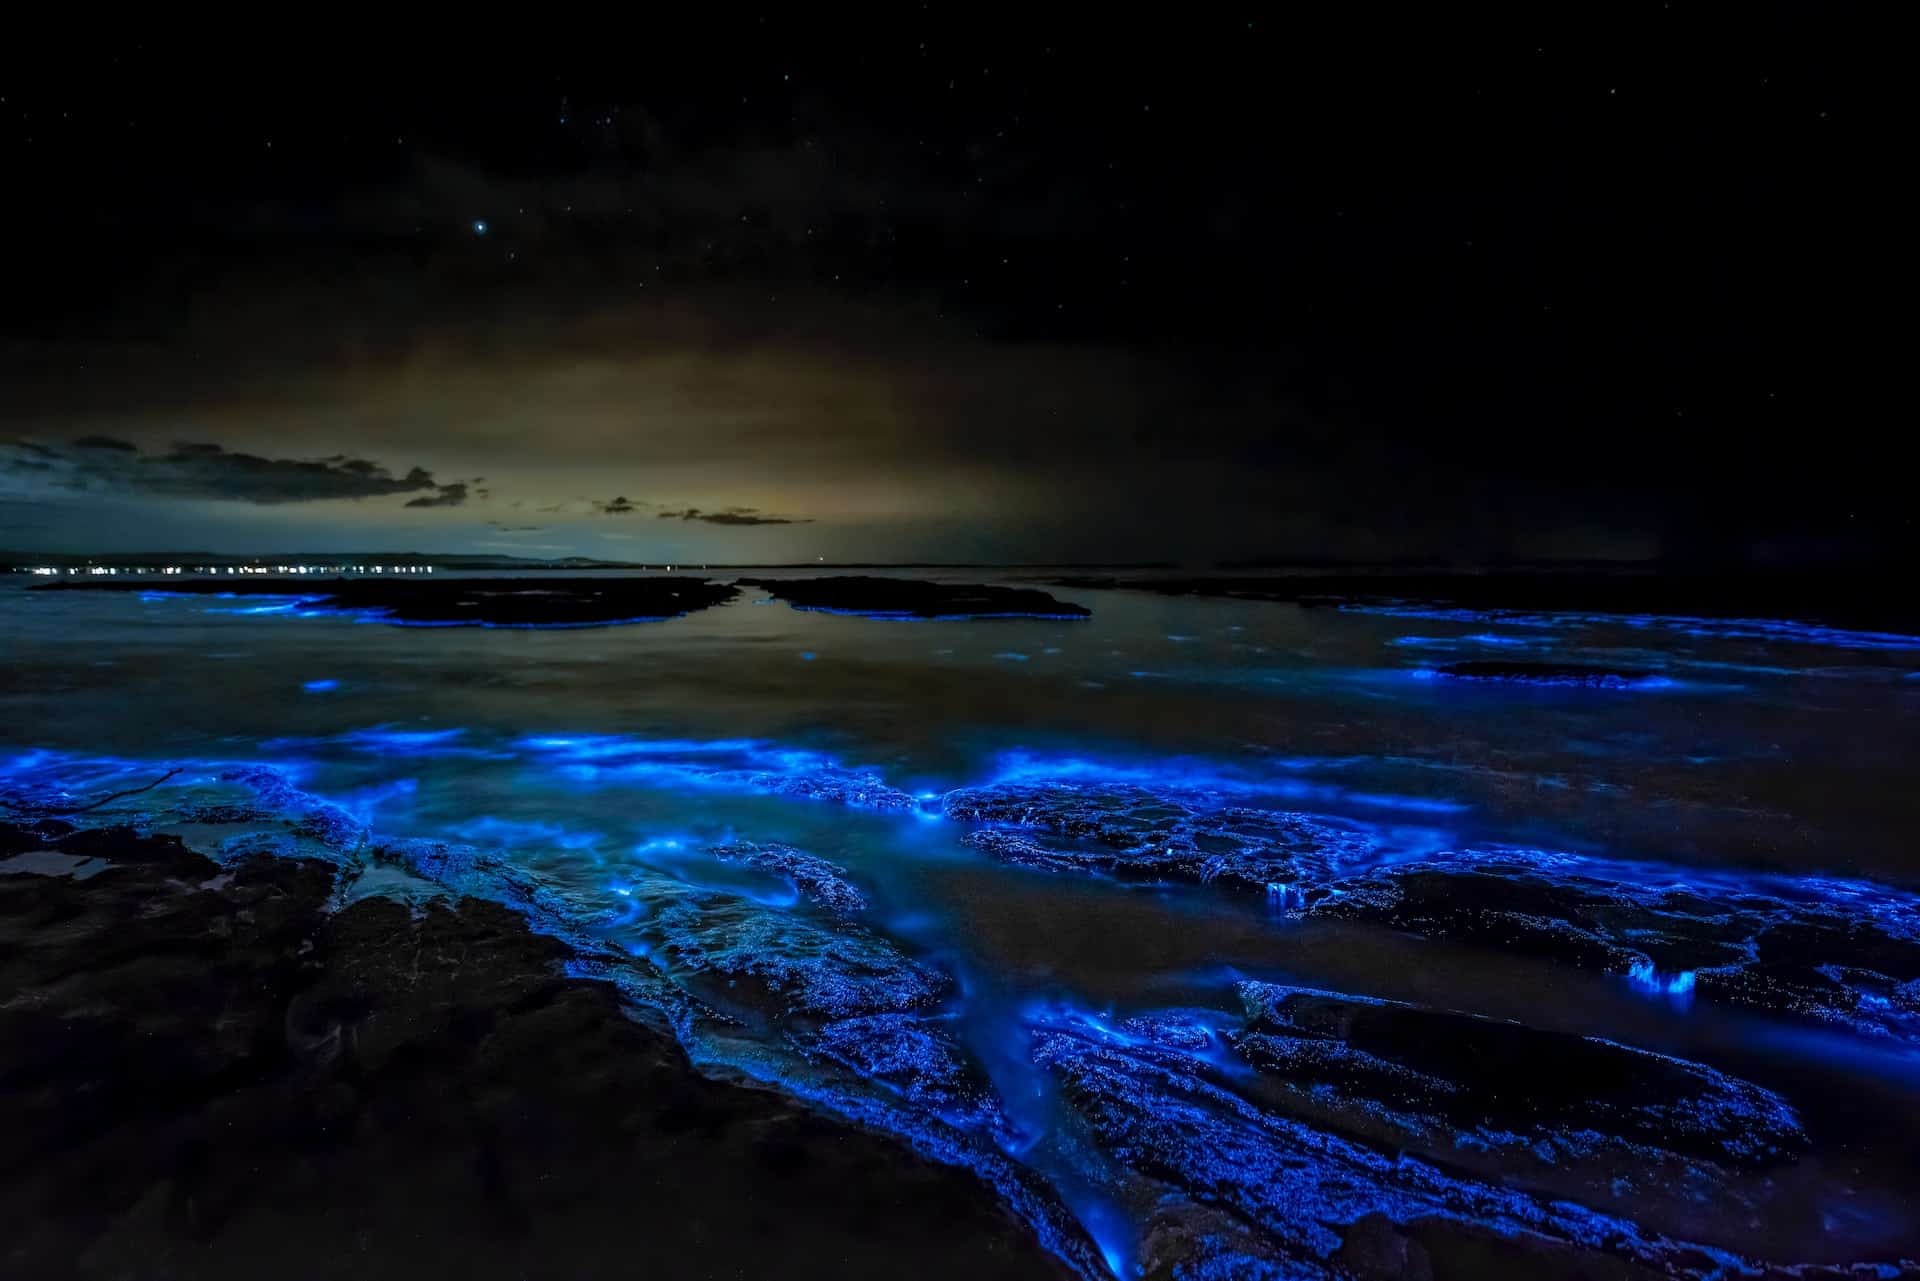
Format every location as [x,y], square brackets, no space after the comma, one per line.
[860,789]
[278,800]
[1137,833]
[819,881]
[424,601]
[916,1057]
[903,598]
[1459,1081]
[1842,952]
[782,964]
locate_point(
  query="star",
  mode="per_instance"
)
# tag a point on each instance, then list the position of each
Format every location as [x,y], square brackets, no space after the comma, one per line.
[479,227]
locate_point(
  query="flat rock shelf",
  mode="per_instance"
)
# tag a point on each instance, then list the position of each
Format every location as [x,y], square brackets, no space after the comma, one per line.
[907,598]
[450,602]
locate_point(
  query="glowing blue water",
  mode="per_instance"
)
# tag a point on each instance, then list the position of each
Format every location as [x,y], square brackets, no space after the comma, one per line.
[588,778]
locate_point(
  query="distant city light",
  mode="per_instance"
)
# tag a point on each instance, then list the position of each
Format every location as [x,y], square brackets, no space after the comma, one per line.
[54,571]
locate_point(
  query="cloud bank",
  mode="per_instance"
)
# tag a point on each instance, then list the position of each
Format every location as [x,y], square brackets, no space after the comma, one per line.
[203,470]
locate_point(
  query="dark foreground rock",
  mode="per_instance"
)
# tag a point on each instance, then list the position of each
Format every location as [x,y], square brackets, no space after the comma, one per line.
[424,601]
[1574,674]
[901,598]
[204,1074]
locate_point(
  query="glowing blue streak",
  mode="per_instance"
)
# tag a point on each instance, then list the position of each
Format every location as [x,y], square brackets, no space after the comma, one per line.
[1765,629]
[1189,775]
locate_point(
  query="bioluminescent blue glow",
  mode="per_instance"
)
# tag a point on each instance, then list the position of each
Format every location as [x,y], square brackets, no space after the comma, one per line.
[993,984]
[1602,681]
[1275,777]
[1492,639]
[403,742]
[1643,976]
[1756,629]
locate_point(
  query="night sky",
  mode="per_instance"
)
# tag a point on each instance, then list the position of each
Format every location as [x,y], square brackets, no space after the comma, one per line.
[948,285]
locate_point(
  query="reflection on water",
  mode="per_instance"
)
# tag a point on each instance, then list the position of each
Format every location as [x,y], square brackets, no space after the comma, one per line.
[849,944]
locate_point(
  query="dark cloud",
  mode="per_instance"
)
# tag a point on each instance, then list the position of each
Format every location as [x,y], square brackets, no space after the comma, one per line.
[733,516]
[205,470]
[614,506]
[453,495]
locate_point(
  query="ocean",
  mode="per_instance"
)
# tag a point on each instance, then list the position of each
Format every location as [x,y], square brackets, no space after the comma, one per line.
[882,967]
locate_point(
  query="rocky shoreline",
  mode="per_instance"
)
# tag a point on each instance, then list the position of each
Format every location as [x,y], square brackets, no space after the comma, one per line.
[211,1062]
[205,1072]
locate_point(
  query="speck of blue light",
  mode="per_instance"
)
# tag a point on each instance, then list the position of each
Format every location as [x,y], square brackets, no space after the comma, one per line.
[320,686]
[479,227]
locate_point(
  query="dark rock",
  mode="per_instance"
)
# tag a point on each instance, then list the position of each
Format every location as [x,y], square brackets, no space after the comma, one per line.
[1143,834]
[918,1058]
[817,880]
[426,601]
[1376,1249]
[1842,952]
[902,598]
[860,789]
[1837,951]
[781,965]
[1232,1189]
[1448,1080]
[205,1075]
[281,802]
